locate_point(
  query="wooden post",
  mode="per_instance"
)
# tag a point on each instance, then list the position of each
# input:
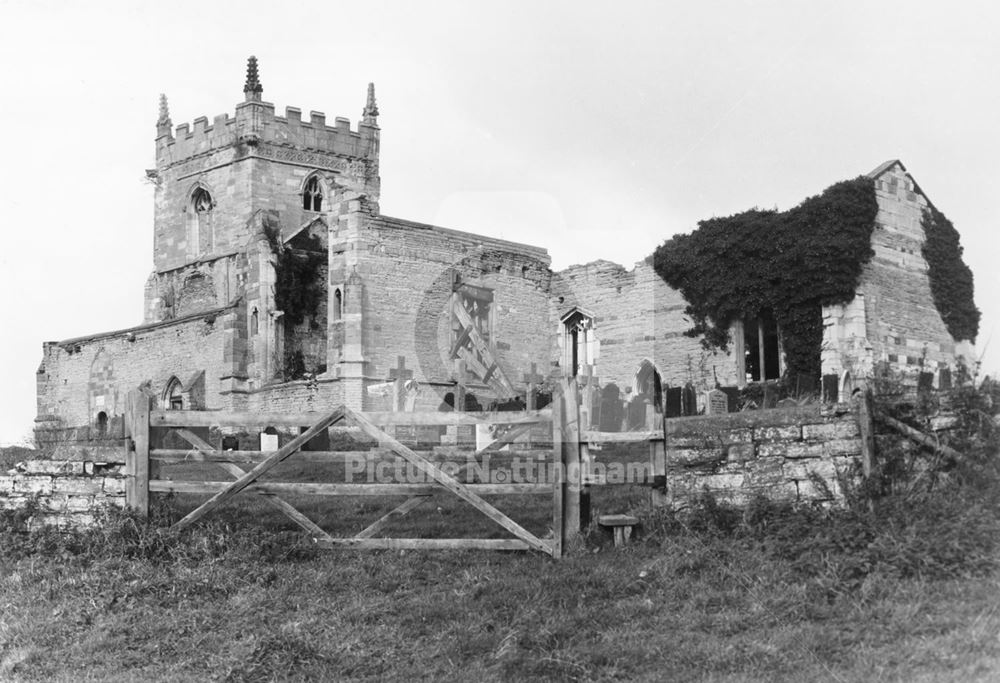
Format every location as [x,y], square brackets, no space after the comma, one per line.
[137,456]
[555,472]
[657,460]
[570,456]
[532,379]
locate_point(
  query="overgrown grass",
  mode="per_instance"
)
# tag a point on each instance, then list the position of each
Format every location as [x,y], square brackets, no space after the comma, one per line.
[907,591]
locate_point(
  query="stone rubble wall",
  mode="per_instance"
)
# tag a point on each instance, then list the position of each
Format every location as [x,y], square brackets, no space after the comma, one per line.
[800,454]
[69,489]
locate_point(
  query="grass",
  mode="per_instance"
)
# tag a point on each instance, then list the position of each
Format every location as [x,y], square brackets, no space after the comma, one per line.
[911,591]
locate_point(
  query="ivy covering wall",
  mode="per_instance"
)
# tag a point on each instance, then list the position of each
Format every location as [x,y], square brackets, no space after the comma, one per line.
[791,263]
[951,279]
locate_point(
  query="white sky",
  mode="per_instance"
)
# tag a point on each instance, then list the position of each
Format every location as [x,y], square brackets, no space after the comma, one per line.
[593,129]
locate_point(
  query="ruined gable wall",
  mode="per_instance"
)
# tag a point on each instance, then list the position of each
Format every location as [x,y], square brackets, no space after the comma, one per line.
[639,316]
[406,269]
[68,375]
[900,323]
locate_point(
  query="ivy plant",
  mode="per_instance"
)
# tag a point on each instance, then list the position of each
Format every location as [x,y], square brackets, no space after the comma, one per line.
[791,263]
[951,279]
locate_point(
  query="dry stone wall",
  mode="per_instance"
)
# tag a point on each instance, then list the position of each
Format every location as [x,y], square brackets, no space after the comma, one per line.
[69,489]
[799,454]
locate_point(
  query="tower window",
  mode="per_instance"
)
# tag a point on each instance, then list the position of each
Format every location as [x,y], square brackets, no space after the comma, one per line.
[202,201]
[338,304]
[312,195]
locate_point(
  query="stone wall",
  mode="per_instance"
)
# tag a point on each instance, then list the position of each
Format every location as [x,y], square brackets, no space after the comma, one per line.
[407,271]
[781,454]
[893,318]
[638,316]
[80,378]
[69,489]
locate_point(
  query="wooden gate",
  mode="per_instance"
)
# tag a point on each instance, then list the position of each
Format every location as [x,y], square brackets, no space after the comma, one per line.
[142,467]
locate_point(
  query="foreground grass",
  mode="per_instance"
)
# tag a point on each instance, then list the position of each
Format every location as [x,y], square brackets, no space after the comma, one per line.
[776,595]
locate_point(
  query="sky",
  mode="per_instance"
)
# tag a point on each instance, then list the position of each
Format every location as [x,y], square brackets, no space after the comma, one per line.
[596,130]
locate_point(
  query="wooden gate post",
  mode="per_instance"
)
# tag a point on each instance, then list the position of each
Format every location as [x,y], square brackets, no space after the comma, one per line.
[658,466]
[137,455]
[568,463]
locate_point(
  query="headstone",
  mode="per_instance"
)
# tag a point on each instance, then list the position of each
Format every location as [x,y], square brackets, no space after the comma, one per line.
[831,388]
[944,379]
[611,409]
[717,403]
[465,435]
[320,442]
[675,400]
[689,401]
[770,396]
[732,398]
[637,413]
[532,380]
[269,440]
[406,434]
[925,382]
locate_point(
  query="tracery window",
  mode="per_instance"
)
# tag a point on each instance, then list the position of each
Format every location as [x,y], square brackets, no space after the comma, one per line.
[312,195]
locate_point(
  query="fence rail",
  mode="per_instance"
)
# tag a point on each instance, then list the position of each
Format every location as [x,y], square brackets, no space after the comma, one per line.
[143,420]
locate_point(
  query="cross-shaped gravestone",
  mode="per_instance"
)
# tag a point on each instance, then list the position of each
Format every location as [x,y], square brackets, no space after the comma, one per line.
[398,376]
[533,379]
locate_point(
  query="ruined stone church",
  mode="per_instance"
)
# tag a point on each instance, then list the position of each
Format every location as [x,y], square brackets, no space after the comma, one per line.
[279,285]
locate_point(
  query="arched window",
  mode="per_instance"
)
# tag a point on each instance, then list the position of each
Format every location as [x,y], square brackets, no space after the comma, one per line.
[172,397]
[102,424]
[312,195]
[201,235]
[254,322]
[338,304]
[201,200]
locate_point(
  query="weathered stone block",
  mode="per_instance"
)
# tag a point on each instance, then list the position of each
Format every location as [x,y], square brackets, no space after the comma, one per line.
[79,504]
[843,447]
[808,490]
[791,449]
[723,482]
[736,436]
[765,472]
[805,469]
[6,484]
[78,486]
[832,430]
[740,452]
[33,485]
[114,486]
[50,467]
[787,433]
[694,456]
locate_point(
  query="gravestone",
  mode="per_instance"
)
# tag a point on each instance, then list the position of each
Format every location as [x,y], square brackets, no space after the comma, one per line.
[733,398]
[320,442]
[689,401]
[675,401]
[611,409]
[805,385]
[269,440]
[637,413]
[944,379]
[716,403]
[831,388]
[770,396]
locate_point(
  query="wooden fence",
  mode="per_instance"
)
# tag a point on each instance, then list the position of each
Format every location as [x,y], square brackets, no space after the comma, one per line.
[245,468]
